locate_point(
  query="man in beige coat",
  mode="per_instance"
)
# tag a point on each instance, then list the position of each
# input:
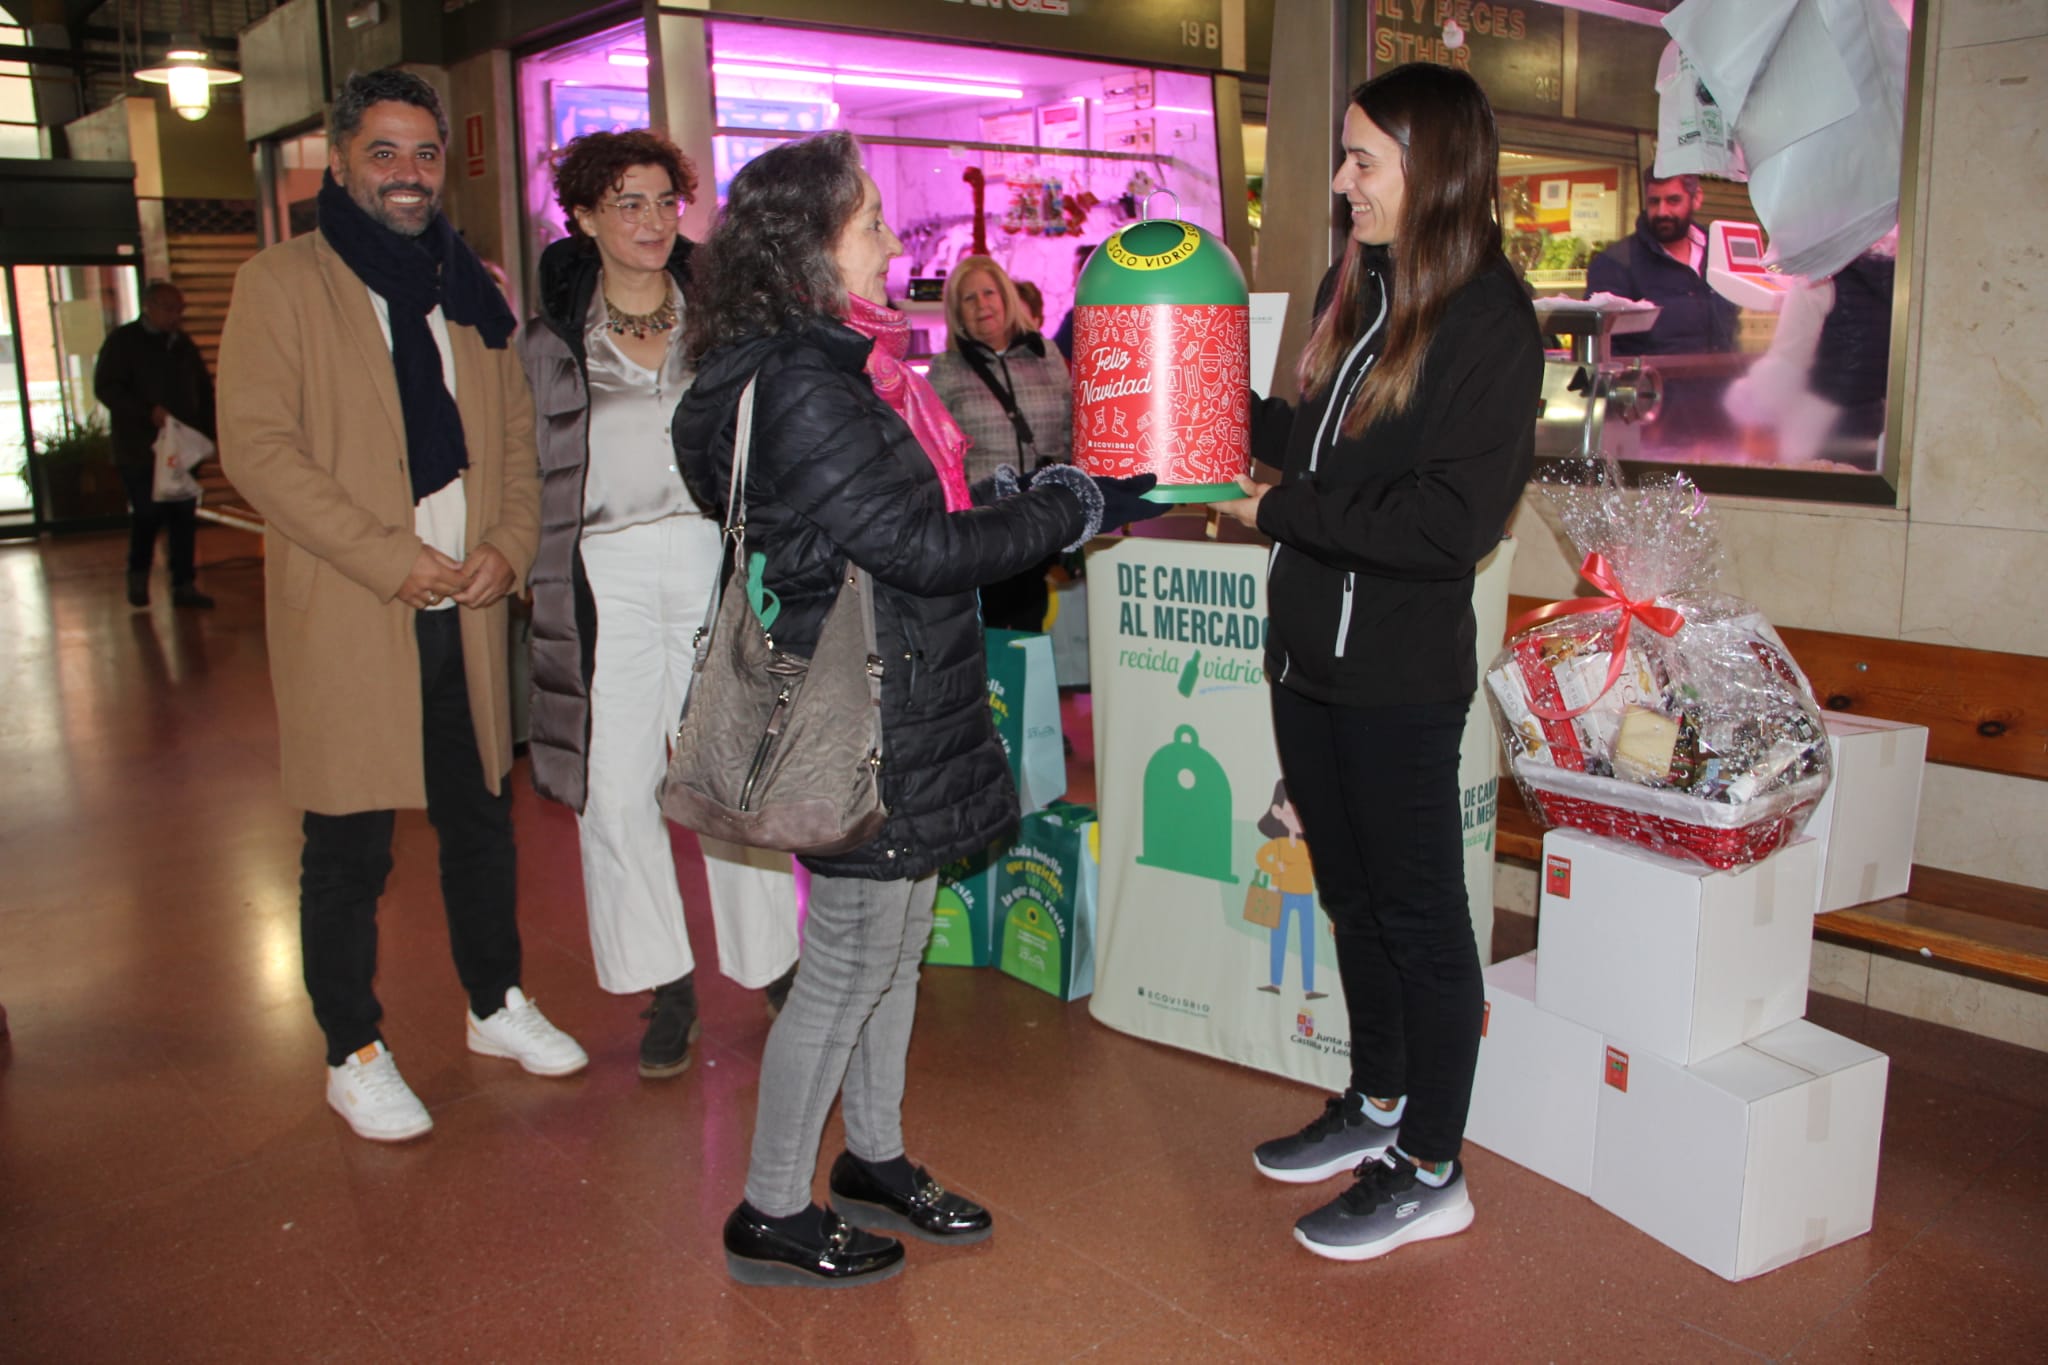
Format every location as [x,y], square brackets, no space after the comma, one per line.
[372,409]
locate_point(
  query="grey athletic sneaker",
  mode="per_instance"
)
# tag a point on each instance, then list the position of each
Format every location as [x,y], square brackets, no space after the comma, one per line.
[1387,1209]
[1348,1132]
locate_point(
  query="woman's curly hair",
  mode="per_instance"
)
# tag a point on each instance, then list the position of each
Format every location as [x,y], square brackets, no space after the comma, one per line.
[595,165]
[768,265]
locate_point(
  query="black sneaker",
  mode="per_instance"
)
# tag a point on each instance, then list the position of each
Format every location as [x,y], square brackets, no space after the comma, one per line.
[925,1210]
[671,1028]
[815,1248]
[189,596]
[777,991]
[138,589]
[1387,1209]
[1350,1131]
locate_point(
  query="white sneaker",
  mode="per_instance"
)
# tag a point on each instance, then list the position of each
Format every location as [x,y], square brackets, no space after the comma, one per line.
[522,1033]
[367,1091]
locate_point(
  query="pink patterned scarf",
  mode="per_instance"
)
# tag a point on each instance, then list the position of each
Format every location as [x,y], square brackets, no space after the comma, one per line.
[912,395]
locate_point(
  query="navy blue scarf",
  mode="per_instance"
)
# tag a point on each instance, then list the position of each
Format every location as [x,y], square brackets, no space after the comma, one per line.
[415,275]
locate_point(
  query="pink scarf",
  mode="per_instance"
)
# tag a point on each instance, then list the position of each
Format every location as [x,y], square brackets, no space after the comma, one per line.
[912,395]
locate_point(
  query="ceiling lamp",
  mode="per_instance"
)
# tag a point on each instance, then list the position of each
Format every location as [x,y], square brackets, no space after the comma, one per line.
[190,74]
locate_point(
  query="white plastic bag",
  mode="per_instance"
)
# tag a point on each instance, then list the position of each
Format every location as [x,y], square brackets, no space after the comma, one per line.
[179,450]
[1693,135]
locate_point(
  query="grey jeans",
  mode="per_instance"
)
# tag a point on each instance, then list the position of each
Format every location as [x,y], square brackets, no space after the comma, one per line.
[847,1023]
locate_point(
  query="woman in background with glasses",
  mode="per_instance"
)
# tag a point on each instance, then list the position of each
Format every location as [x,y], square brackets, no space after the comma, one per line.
[623,547]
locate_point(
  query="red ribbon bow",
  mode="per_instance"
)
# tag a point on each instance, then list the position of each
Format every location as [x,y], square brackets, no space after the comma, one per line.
[1664,620]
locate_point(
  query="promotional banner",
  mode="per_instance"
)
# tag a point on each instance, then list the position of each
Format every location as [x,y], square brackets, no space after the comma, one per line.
[1208,933]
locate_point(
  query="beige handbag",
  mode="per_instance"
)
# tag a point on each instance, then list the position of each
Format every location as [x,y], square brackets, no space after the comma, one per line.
[773,750]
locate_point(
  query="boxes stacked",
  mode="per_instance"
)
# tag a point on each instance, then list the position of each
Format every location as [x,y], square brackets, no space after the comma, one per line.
[1866,823]
[1653,1054]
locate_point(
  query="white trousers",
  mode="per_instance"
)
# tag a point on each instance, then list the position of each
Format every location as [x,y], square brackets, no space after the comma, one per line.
[651,584]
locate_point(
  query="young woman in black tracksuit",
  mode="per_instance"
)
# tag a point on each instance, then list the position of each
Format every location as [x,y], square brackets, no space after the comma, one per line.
[1401,466]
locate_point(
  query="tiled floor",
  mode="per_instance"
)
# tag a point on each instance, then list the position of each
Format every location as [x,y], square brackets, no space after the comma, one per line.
[173,1188]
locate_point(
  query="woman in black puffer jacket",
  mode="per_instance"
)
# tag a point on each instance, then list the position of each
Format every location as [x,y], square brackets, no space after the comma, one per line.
[854,458]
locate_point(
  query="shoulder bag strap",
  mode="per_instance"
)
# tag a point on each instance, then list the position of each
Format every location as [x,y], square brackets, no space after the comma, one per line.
[976,361]
[735,531]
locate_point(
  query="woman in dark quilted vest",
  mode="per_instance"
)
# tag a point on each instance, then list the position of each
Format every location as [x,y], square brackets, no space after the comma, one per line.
[855,461]
[1400,467]
[625,567]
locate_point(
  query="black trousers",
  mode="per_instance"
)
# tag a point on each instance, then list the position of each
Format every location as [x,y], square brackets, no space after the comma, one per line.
[348,857]
[146,516]
[1377,791]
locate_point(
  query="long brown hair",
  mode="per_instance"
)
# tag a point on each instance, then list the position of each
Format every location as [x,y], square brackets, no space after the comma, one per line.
[768,264]
[1450,161]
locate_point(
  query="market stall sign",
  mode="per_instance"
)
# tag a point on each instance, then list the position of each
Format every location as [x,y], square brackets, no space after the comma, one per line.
[1183,33]
[1516,51]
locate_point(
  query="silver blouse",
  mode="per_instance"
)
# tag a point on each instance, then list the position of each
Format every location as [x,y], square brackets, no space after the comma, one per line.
[632,478]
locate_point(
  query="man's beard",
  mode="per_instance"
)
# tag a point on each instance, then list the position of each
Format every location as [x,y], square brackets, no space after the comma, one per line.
[1669,230]
[385,217]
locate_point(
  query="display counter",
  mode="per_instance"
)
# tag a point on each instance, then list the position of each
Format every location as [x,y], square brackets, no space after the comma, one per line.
[1190,949]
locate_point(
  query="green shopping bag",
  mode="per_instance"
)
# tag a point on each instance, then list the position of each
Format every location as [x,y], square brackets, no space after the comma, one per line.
[964,915]
[1024,697]
[1046,887]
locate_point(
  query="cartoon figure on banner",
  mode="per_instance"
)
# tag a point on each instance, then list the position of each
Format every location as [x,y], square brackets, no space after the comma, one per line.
[1187,810]
[1284,890]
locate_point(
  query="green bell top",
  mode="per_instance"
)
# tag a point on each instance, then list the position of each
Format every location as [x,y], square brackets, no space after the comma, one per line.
[1161,260]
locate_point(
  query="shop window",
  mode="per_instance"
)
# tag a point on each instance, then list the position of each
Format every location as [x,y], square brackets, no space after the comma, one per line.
[20,137]
[1027,157]
[1767,383]
[592,84]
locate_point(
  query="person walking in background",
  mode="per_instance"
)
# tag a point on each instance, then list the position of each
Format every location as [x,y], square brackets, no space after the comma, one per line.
[626,565]
[1064,337]
[374,412]
[1411,446]
[149,370]
[1011,395]
[1034,305]
[854,462]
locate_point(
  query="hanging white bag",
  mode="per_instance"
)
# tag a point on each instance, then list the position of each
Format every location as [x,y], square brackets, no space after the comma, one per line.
[179,450]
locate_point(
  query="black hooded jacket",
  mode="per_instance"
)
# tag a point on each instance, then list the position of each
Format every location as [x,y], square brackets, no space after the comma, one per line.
[564,611]
[834,474]
[1377,536]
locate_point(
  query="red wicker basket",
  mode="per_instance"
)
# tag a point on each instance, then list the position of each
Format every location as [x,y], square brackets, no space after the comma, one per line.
[1671,823]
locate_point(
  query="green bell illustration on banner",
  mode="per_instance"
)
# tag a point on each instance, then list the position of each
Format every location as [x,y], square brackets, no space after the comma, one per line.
[1187,810]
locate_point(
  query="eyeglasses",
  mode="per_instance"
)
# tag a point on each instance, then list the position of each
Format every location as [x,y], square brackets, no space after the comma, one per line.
[633,210]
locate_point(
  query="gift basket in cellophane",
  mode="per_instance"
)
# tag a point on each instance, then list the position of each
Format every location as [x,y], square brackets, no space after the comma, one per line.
[1659,711]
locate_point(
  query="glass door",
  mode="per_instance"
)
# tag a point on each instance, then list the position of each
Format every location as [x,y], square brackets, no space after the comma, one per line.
[59,317]
[17,502]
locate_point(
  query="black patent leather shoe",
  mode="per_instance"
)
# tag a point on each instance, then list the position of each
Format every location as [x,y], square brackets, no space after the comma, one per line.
[930,1212]
[758,1252]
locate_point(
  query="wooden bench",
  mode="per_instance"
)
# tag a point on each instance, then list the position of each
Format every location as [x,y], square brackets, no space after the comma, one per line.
[1983,710]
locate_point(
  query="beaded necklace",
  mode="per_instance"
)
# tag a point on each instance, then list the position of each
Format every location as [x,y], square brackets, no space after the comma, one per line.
[640,325]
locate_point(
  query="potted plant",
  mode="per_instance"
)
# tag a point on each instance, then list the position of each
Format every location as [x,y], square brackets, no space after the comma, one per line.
[72,465]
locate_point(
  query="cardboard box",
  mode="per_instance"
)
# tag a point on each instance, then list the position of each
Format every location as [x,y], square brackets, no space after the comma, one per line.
[1866,823]
[964,913]
[1046,890]
[1536,1094]
[1670,957]
[1749,1160]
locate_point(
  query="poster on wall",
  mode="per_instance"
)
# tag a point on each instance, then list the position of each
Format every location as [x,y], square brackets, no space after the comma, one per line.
[729,152]
[578,109]
[1209,935]
[1063,126]
[1010,130]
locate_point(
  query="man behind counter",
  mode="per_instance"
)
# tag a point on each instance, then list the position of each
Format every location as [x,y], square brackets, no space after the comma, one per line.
[1662,263]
